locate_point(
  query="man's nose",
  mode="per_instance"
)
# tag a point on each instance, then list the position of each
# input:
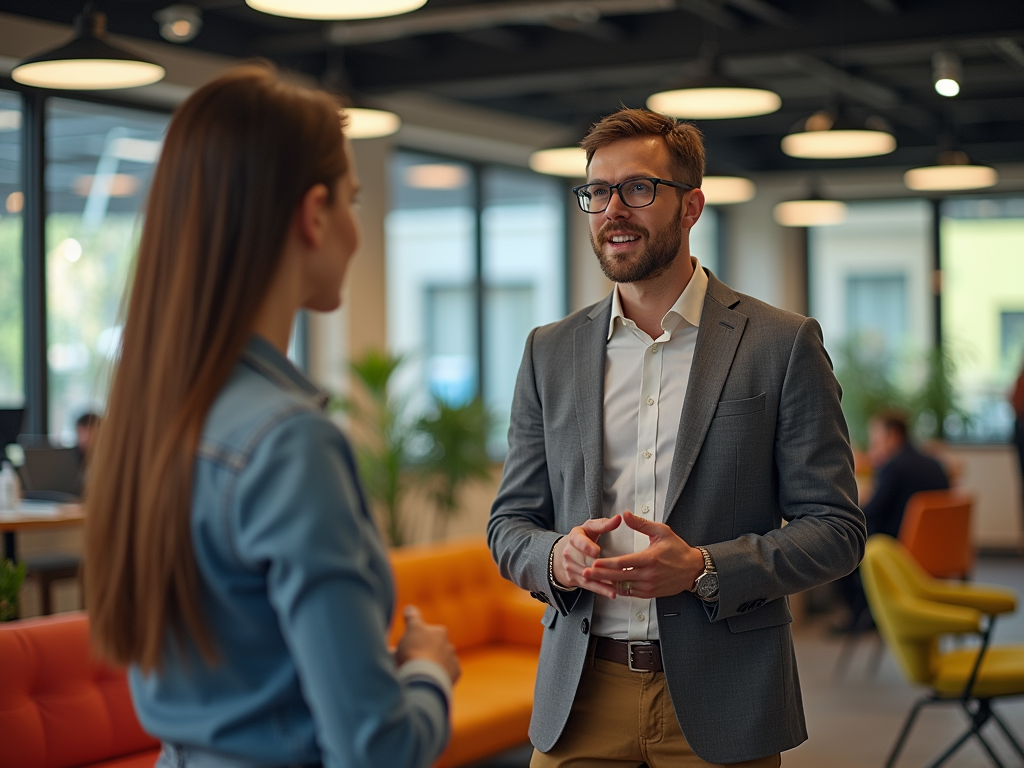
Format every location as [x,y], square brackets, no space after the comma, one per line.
[616,208]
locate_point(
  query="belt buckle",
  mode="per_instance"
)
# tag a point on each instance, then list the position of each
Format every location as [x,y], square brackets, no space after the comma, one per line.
[630,645]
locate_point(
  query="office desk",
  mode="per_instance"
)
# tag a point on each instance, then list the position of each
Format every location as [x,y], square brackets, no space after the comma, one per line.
[34,516]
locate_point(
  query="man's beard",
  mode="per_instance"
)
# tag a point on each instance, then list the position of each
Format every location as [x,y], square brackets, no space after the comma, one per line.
[657,255]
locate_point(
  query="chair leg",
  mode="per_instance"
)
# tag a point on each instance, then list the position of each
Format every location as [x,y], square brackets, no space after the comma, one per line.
[898,746]
[1008,733]
[45,598]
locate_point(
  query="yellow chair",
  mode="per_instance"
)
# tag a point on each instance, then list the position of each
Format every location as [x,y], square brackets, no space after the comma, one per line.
[913,611]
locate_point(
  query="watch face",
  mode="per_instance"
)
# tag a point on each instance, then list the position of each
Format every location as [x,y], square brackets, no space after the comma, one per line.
[707,585]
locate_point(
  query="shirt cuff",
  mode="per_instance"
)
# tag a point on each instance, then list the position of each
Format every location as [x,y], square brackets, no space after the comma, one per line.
[426,671]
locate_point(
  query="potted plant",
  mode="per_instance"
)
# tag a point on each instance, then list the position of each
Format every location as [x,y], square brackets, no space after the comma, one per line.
[440,451]
[457,436]
[11,577]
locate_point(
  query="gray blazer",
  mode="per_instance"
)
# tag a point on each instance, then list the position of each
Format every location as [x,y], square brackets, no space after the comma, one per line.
[761,439]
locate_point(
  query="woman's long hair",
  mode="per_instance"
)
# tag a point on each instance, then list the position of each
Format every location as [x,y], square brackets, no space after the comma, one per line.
[239,156]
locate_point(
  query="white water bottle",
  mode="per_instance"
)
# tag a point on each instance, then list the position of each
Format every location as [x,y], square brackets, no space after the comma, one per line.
[10,496]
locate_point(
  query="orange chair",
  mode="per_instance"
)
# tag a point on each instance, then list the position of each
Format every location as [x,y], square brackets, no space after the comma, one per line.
[496,630]
[936,530]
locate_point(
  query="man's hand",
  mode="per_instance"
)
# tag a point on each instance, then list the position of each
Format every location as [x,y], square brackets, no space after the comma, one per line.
[667,566]
[426,641]
[576,551]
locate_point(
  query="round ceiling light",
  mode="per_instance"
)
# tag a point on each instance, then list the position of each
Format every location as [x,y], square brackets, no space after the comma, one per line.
[87,62]
[570,162]
[370,123]
[335,9]
[718,100]
[810,213]
[821,137]
[954,171]
[726,190]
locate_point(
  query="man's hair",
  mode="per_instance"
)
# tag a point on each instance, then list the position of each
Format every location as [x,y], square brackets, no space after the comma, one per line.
[88,419]
[684,140]
[894,420]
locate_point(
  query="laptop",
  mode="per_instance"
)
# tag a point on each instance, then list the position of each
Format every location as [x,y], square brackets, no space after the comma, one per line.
[51,473]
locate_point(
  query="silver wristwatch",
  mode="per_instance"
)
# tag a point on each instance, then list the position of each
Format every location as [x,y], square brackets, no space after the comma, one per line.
[706,585]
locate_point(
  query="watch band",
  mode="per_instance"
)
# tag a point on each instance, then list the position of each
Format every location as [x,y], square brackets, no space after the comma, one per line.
[551,571]
[709,564]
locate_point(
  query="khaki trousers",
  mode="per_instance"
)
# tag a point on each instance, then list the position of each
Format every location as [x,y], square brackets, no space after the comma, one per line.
[623,719]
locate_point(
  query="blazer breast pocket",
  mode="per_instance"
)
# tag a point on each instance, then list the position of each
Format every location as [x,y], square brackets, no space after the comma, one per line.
[741,407]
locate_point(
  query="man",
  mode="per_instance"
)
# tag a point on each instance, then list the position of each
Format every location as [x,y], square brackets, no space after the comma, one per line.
[711,416]
[900,472]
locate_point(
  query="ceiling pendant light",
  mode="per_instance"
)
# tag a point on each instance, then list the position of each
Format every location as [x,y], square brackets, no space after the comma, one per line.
[952,172]
[946,73]
[88,62]
[823,137]
[335,9]
[727,190]
[715,97]
[570,162]
[370,123]
[814,211]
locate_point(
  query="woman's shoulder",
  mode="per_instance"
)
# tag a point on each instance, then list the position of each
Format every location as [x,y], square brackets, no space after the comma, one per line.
[250,407]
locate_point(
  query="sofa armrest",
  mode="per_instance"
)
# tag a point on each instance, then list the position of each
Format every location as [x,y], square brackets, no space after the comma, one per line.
[519,618]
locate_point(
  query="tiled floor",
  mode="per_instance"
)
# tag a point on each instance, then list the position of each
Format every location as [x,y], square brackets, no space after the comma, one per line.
[854,719]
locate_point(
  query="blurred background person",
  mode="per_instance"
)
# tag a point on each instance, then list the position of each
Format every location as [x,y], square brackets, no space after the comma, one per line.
[900,471]
[1017,401]
[231,559]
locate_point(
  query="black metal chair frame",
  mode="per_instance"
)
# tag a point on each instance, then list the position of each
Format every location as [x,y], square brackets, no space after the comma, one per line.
[979,711]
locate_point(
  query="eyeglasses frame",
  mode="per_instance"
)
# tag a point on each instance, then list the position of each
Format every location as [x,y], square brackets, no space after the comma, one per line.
[617,189]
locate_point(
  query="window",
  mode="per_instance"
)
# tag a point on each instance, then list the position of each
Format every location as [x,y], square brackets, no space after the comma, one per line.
[99,161]
[12,382]
[982,257]
[459,237]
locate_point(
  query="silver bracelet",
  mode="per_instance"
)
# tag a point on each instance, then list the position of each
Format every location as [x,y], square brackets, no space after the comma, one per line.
[551,570]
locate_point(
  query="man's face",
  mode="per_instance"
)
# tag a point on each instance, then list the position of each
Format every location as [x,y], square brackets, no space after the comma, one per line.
[634,244]
[883,443]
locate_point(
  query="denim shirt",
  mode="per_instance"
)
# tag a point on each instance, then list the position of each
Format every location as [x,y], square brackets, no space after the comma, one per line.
[298,596]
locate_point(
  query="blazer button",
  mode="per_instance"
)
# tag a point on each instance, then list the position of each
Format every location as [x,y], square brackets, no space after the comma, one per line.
[743,608]
[585,626]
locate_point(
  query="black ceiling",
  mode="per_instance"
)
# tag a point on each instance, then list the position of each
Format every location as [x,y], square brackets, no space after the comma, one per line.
[571,61]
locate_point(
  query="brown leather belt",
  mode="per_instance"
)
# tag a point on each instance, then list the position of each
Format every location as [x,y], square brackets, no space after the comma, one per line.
[638,655]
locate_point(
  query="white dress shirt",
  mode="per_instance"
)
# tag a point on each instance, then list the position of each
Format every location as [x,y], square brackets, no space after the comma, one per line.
[644,387]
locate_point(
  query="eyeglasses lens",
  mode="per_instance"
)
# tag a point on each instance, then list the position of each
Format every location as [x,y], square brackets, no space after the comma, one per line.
[594,198]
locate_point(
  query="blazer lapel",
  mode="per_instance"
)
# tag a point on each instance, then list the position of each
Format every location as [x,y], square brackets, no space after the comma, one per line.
[589,342]
[721,329]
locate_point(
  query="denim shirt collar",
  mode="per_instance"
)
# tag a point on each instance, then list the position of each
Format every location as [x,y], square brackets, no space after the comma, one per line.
[266,360]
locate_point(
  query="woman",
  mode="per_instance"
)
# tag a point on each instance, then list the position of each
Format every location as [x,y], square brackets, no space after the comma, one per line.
[230,557]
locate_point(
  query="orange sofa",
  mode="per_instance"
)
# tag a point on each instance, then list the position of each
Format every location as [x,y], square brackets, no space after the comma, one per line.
[496,629]
[60,708]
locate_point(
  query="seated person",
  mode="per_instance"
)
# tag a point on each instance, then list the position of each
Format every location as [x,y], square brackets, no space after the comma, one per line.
[900,472]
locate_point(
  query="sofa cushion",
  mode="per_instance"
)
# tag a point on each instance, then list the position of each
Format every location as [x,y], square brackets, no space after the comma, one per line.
[491,703]
[145,759]
[66,708]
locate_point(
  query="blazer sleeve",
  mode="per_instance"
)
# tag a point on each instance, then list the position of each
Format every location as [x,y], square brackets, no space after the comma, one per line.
[825,532]
[521,529]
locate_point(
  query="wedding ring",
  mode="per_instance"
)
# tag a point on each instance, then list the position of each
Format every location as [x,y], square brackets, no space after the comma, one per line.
[627,587]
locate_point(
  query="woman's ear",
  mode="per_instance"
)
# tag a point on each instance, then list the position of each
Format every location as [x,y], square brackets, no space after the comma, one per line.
[310,215]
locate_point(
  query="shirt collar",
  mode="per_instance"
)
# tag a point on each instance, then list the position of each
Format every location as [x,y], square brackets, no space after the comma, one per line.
[267,360]
[688,305]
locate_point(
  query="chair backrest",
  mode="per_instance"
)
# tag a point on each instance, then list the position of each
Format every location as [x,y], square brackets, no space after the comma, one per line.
[892,578]
[936,530]
[454,583]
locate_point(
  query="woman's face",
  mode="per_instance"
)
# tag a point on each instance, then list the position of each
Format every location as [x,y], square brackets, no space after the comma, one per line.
[340,242]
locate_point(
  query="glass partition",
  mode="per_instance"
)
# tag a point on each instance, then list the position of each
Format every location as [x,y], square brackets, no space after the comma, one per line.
[99,162]
[12,379]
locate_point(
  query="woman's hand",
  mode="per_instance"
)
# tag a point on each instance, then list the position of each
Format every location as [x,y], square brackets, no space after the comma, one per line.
[426,641]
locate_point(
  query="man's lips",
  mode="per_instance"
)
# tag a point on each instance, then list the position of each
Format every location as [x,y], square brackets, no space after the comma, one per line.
[620,237]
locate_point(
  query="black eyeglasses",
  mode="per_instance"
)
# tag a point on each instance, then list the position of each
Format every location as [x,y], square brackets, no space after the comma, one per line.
[634,193]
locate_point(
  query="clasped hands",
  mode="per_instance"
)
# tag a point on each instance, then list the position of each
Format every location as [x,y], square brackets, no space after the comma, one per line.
[666,567]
